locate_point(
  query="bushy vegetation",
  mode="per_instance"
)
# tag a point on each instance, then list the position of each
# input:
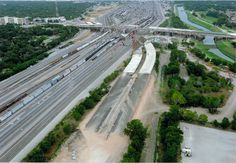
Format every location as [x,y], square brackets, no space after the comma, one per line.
[233,122]
[137,134]
[232,67]
[218,62]
[177,56]
[203,88]
[171,135]
[222,20]
[33,9]
[156,66]
[174,22]
[225,123]
[213,9]
[22,47]
[234,44]
[205,5]
[47,148]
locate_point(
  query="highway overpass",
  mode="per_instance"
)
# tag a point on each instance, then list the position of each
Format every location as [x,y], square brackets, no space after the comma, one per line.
[159,30]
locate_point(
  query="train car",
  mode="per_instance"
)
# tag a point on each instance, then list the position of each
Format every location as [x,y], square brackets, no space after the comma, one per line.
[66,72]
[80,63]
[83,46]
[64,56]
[17,107]
[37,92]
[55,79]
[46,86]
[27,99]
[73,67]
[5,116]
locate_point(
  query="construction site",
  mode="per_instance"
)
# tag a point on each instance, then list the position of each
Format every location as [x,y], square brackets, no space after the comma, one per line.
[109,118]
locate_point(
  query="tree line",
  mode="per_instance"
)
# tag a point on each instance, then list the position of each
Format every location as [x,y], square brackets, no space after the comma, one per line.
[48,147]
[33,9]
[23,47]
[206,5]
[215,61]
[137,134]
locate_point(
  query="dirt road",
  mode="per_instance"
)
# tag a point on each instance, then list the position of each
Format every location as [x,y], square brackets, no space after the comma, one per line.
[149,109]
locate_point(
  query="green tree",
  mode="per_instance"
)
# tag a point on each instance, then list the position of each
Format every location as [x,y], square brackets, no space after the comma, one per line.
[76,115]
[89,103]
[233,124]
[225,123]
[189,115]
[177,98]
[216,123]
[202,119]
[67,128]
[135,128]
[137,133]
[233,67]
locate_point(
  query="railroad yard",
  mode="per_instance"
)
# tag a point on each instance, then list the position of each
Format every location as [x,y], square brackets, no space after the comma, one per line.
[40,93]
[35,100]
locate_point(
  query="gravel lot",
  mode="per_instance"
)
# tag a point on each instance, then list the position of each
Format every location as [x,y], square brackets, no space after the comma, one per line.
[208,145]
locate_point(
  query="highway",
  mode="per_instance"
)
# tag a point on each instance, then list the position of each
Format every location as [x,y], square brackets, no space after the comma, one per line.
[35,116]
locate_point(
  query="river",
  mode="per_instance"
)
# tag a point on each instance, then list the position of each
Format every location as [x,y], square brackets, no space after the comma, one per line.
[209,40]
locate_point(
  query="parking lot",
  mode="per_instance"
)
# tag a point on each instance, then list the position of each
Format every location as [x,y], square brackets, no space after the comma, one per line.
[208,145]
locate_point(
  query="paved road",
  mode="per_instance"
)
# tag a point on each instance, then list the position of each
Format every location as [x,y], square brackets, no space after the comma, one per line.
[208,144]
[16,133]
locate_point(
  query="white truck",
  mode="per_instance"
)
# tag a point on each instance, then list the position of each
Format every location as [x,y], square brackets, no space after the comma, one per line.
[187,151]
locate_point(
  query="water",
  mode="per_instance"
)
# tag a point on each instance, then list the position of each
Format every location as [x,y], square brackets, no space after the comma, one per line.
[209,40]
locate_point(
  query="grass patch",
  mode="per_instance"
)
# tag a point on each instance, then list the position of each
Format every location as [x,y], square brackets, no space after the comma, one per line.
[204,49]
[174,22]
[165,23]
[210,19]
[227,48]
[202,23]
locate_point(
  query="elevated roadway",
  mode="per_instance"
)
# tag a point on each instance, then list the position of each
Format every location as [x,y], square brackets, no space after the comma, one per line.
[159,30]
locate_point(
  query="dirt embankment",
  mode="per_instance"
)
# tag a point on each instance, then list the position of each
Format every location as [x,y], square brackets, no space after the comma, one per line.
[90,146]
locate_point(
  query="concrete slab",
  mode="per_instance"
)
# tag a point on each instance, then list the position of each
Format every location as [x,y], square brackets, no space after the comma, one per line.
[149,60]
[134,63]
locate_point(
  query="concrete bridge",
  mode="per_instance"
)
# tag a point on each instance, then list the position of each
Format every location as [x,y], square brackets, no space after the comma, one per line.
[159,30]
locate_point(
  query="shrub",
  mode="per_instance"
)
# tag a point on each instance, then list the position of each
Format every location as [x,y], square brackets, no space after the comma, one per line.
[189,115]
[216,123]
[67,128]
[233,124]
[225,123]
[232,67]
[203,119]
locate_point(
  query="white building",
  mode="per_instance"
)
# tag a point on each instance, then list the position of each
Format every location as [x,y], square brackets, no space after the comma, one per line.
[50,20]
[13,20]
